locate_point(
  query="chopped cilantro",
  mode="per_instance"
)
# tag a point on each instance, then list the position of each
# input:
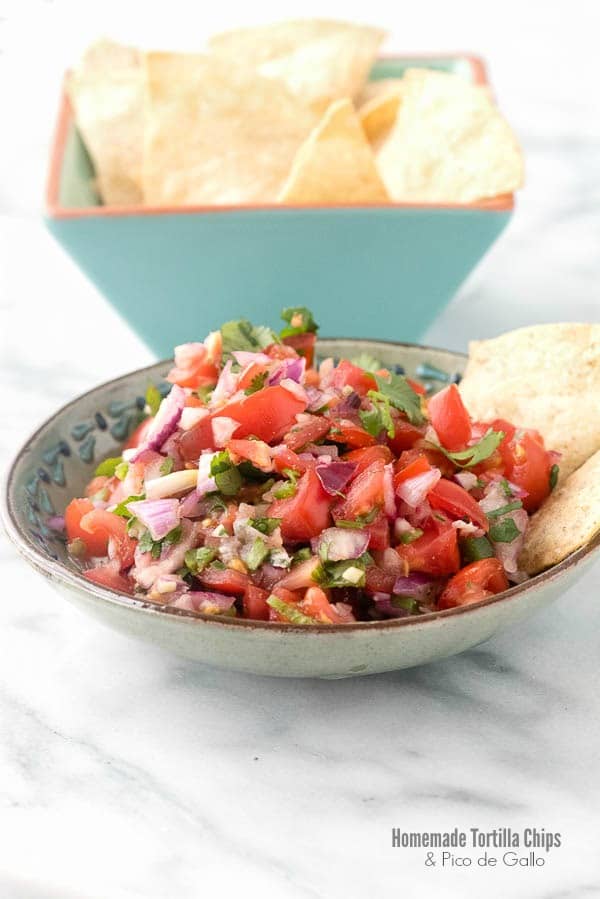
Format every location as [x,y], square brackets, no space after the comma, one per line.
[264,525]
[293,615]
[475,454]
[510,507]
[475,548]
[401,395]
[108,467]
[301,555]
[360,521]
[367,362]
[122,509]
[504,531]
[505,487]
[218,565]
[243,335]
[154,547]
[153,399]
[411,536]
[378,418]
[196,560]
[300,321]
[554,471]
[256,555]
[348,573]
[257,383]
[406,602]
[227,477]
[167,466]
[287,488]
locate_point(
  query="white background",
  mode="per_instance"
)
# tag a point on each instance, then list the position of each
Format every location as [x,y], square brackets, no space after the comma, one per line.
[126,773]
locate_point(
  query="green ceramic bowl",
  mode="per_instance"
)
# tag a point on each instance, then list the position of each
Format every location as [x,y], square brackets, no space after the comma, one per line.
[173,273]
[59,459]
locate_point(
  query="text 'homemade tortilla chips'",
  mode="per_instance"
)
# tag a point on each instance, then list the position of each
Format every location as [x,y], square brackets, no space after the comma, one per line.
[318,60]
[568,519]
[335,164]
[545,377]
[217,134]
[107,93]
[449,143]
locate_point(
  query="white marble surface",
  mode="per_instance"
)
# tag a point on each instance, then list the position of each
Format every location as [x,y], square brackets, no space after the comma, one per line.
[126,773]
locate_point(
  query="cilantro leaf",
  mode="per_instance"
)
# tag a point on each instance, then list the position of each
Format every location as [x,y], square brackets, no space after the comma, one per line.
[264,525]
[300,321]
[554,472]
[504,531]
[301,555]
[411,536]
[287,488]
[243,335]
[509,507]
[348,573]
[153,399]
[409,603]
[360,521]
[227,477]
[154,547]
[379,418]
[122,509]
[367,362]
[257,383]
[401,395]
[256,555]
[293,615]
[196,560]
[108,467]
[475,454]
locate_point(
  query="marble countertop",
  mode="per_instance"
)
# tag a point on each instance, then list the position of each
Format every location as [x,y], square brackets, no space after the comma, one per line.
[128,773]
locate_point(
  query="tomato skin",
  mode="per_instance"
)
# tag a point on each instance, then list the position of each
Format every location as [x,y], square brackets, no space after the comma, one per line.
[364,456]
[527,464]
[108,576]
[255,603]
[305,514]
[457,502]
[405,434]
[379,580]
[254,451]
[266,414]
[418,465]
[316,604]
[379,532]
[348,374]
[314,429]
[345,431]
[224,580]
[474,582]
[285,458]
[435,553]
[304,344]
[108,530]
[254,371]
[433,456]
[364,494]
[450,418]
[77,508]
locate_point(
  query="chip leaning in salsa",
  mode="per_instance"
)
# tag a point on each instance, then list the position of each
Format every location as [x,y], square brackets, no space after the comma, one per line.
[265,487]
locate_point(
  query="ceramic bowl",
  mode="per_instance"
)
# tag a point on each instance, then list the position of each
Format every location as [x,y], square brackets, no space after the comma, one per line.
[211,263]
[59,459]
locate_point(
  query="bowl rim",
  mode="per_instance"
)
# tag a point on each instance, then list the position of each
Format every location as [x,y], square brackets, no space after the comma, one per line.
[58,571]
[55,210]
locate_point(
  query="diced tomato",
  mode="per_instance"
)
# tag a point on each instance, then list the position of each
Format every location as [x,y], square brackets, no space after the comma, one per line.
[379,580]
[255,370]
[527,464]
[417,386]
[287,596]
[284,458]
[457,502]
[304,344]
[196,439]
[310,431]
[266,414]
[109,576]
[450,418]
[436,552]
[255,603]
[435,458]
[474,582]
[194,366]
[366,455]
[418,465]
[97,484]
[364,494]
[77,508]
[193,402]
[346,431]
[348,374]
[139,435]
[305,514]
[405,434]
[316,604]
[299,577]
[108,532]
[379,532]
[224,580]
[255,451]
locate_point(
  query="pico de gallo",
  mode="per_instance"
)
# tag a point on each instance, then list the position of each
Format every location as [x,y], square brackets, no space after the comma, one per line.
[269,487]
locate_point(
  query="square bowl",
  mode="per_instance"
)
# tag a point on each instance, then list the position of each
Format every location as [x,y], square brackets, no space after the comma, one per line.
[176,272]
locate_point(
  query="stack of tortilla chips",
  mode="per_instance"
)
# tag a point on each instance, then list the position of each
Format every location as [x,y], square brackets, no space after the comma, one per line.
[286,114]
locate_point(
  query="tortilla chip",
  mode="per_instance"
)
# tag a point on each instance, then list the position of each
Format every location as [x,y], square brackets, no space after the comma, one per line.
[107,94]
[335,164]
[217,134]
[545,377]
[568,520]
[449,144]
[378,115]
[318,60]
[381,87]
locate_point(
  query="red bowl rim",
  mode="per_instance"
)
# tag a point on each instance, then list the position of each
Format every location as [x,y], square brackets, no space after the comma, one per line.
[54,209]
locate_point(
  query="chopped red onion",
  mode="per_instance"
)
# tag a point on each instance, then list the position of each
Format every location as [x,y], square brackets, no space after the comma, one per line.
[467,528]
[288,368]
[508,553]
[164,424]
[349,404]
[466,479]
[402,526]
[389,497]
[171,484]
[167,585]
[223,429]
[146,569]
[301,575]
[56,522]
[326,369]
[334,475]
[205,482]
[190,506]
[191,415]
[295,389]
[204,601]
[415,586]
[338,544]
[244,358]
[327,449]
[494,498]
[160,516]
[226,385]
[414,490]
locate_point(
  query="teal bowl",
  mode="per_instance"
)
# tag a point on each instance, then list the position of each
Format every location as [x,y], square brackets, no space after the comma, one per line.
[177,273]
